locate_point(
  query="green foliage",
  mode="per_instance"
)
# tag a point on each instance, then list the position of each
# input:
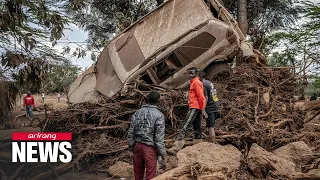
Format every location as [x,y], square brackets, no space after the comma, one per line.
[103,18]
[59,78]
[25,59]
[298,46]
[313,86]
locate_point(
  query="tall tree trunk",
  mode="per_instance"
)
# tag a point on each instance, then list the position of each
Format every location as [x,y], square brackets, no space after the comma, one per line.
[242,16]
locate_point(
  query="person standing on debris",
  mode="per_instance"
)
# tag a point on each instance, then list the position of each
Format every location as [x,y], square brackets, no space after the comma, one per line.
[212,106]
[146,138]
[28,102]
[59,97]
[197,103]
[42,95]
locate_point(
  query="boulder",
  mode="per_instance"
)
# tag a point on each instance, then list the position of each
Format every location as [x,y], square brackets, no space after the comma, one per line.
[261,162]
[121,169]
[192,171]
[296,152]
[214,156]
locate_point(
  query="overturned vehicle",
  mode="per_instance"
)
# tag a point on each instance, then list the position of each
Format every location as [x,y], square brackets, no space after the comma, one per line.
[161,46]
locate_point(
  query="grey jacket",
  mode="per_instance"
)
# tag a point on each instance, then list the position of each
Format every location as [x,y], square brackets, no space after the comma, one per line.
[147,127]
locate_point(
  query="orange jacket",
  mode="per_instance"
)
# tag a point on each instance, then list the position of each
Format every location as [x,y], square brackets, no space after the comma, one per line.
[196,94]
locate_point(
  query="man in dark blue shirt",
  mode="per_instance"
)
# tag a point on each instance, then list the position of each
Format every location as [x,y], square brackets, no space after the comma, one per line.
[212,105]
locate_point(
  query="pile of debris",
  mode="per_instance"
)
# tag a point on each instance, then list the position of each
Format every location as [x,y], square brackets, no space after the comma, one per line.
[257,113]
[258,107]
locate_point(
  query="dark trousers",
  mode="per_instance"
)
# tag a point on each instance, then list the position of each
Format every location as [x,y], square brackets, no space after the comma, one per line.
[144,157]
[29,111]
[193,118]
[212,116]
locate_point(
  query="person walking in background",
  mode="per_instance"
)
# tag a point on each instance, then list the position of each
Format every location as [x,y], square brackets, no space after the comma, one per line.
[197,104]
[59,97]
[212,106]
[28,103]
[42,96]
[146,138]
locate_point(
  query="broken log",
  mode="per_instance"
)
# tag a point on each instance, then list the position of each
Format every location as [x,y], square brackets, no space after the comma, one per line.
[105,127]
[305,176]
[312,117]
[307,105]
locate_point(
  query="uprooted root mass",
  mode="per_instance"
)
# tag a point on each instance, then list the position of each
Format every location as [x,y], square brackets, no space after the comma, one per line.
[257,107]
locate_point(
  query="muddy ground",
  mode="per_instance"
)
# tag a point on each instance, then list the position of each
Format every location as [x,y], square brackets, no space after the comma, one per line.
[21,122]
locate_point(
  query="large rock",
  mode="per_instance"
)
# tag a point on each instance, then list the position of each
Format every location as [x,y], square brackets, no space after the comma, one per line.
[214,156]
[296,152]
[192,171]
[261,162]
[121,169]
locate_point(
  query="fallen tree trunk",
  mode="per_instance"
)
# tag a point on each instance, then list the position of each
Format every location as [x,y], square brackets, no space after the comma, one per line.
[105,127]
[307,105]
[305,176]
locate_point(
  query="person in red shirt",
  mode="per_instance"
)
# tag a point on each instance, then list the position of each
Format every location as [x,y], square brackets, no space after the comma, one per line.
[28,102]
[197,104]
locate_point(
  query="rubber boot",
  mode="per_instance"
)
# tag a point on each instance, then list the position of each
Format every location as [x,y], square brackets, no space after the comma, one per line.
[212,135]
[178,145]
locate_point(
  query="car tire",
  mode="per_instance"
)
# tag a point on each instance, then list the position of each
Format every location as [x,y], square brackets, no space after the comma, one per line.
[219,72]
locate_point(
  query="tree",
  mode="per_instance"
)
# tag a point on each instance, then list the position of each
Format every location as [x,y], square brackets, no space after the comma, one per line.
[59,78]
[25,26]
[243,16]
[298,46]
[261,17]
[102,19]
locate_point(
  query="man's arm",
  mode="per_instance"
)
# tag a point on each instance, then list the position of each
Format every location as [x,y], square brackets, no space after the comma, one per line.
[159,136]
[131,140]
[200,95]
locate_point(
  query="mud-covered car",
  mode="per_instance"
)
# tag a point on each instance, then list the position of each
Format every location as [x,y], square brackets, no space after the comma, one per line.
[161,46]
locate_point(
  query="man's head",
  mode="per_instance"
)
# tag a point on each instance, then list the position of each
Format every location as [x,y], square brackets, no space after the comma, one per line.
[28,93]
[193,72]
[154,97]
[202,75]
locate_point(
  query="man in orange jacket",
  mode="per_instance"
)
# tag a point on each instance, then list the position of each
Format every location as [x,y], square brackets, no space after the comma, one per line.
[197,104]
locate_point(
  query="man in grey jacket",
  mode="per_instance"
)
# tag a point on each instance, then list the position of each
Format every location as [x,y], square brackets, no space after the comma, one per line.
[146,138]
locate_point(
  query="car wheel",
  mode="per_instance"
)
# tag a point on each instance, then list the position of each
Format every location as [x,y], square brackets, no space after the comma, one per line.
[219,72]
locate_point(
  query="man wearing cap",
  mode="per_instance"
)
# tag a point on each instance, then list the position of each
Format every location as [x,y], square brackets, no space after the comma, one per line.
[212,105]
[197,104]
[28,102]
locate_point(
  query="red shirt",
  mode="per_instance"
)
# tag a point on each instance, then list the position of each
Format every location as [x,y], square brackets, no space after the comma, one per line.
[196,94]
[28,101]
